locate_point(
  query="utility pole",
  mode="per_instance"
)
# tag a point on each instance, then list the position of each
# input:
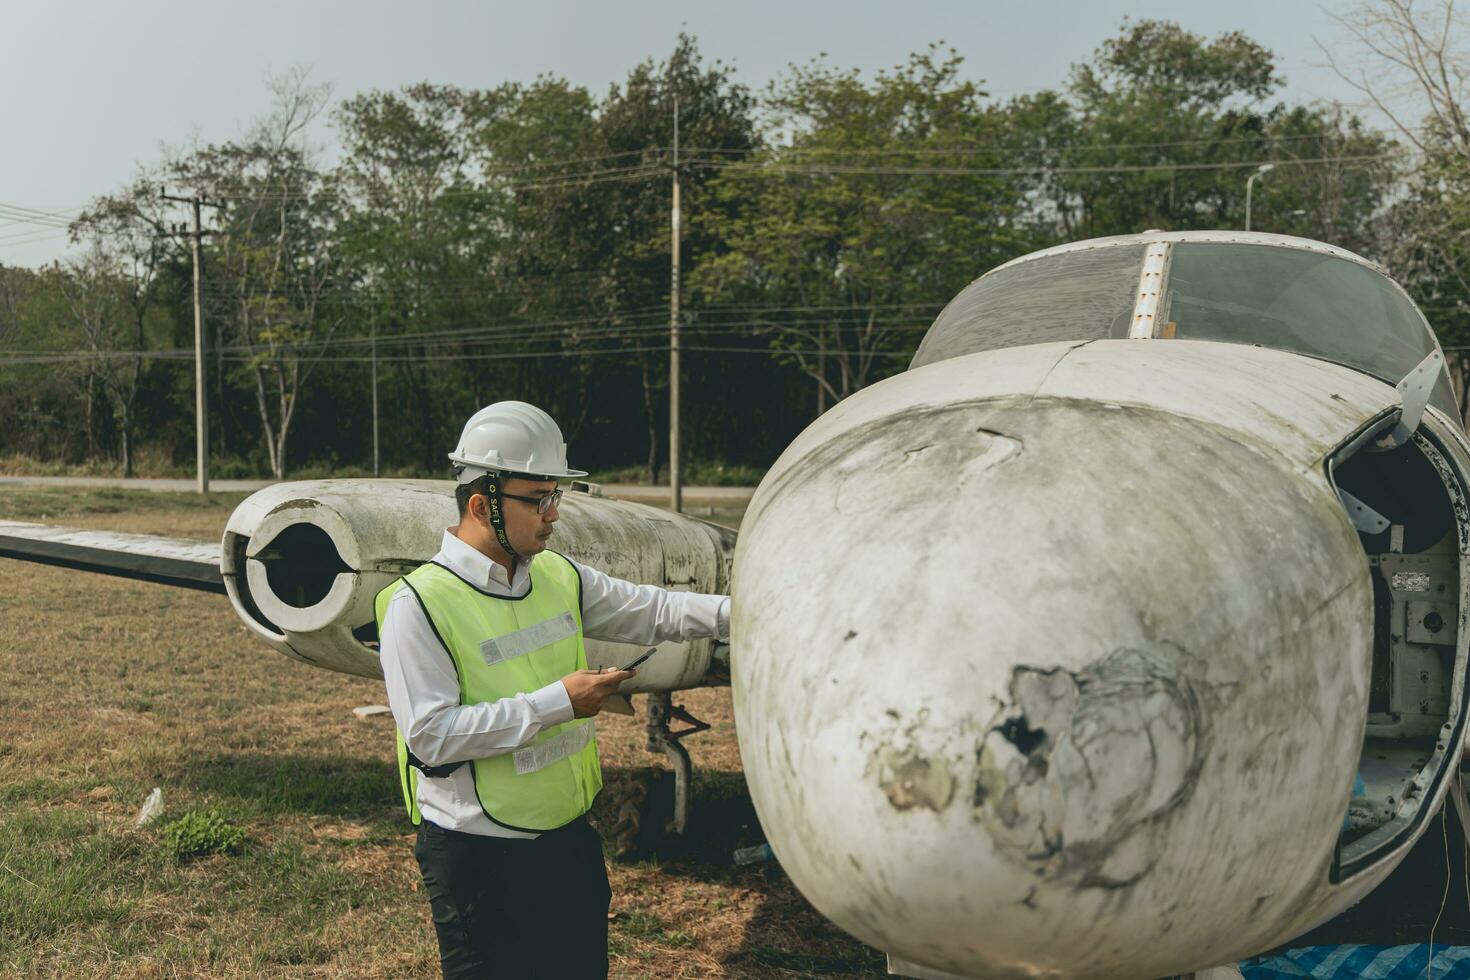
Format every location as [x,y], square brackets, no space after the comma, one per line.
[821,376]
[375,393]
[676,481]
[1261,171]
[201,402]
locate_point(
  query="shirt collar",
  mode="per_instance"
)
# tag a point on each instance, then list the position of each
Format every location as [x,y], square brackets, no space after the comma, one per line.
[473,566]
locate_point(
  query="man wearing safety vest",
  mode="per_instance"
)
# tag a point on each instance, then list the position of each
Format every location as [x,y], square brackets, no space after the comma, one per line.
[487,677]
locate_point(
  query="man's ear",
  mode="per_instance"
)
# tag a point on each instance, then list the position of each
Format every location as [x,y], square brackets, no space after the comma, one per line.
[483,514]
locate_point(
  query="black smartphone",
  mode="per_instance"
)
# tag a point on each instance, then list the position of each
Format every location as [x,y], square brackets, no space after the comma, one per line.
[634,663]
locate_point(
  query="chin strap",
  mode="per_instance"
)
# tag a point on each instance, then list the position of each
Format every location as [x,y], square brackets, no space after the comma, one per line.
[497,513]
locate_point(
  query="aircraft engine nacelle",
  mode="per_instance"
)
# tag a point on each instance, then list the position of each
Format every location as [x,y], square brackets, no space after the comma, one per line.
[303,563]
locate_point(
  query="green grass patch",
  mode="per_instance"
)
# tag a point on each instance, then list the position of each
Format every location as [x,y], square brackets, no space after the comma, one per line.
[650,928]
[200,832]
[23,503]
[257,784]
[60,869]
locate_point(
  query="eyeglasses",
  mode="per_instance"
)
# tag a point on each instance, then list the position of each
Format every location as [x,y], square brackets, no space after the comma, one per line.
[543,504]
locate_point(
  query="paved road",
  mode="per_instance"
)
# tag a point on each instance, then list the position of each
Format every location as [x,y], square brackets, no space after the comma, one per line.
[628,491]
[223,486]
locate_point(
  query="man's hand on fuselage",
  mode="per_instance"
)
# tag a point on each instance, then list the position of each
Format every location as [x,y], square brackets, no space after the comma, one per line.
[588,689]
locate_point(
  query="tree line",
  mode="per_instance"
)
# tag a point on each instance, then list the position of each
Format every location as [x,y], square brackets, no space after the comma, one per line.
[468,245]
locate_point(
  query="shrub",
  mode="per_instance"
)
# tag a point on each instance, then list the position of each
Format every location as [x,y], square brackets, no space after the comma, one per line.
[200,832]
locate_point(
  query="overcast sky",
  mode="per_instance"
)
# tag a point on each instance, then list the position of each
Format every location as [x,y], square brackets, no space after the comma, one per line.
[92,89]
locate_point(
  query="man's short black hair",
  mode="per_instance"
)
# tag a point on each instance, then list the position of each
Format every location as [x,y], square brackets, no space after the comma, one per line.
[464,491]
[481,484]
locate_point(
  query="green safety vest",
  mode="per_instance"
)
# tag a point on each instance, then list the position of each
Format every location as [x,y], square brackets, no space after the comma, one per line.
[502,647]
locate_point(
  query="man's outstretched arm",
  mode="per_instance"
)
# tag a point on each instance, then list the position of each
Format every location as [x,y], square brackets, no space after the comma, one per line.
[620,611]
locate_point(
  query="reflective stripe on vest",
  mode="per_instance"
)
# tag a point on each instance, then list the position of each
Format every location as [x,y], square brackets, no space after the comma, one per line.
[500,648]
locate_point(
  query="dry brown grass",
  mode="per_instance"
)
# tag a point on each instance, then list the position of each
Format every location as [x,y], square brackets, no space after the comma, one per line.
[112,688]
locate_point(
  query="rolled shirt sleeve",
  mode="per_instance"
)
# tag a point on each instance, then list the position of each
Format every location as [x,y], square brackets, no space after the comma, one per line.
[423,693]
[622,612]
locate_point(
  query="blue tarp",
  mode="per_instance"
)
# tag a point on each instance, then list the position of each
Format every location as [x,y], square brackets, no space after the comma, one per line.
[1363,963]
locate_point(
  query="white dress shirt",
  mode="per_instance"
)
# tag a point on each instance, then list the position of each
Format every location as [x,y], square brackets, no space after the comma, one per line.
[423,689]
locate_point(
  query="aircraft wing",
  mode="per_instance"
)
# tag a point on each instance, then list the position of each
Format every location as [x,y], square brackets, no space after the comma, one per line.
[145,557]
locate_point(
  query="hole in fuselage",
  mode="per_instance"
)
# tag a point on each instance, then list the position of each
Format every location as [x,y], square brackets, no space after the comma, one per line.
[1414,565]
[1023,736]
[367,634]
[301,564]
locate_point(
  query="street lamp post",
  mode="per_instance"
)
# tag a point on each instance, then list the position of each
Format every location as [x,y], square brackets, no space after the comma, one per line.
[1261,171]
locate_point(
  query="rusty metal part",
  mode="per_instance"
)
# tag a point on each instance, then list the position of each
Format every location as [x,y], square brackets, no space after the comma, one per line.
[662,739]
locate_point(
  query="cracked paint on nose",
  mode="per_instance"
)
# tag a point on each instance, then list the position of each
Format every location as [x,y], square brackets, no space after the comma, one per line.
[1012,672]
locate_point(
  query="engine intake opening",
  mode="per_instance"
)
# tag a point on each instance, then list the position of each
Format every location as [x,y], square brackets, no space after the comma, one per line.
[237,546]
[301,564]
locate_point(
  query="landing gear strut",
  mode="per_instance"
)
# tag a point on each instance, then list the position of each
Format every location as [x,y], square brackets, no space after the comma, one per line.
[661,739]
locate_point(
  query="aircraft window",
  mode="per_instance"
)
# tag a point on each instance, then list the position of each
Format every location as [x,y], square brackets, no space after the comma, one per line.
[1083,295]
[1295,300]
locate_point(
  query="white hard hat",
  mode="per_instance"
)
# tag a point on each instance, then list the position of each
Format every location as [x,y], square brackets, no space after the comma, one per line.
[511,437]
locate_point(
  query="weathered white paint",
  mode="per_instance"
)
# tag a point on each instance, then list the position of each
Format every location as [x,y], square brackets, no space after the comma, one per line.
[199,553]
[1084,695]
[383,528]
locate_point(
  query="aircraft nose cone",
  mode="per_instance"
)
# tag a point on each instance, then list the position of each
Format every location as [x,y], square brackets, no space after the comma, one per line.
[1048,687]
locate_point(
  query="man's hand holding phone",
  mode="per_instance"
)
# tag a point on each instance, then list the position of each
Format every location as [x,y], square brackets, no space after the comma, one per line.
[588,689]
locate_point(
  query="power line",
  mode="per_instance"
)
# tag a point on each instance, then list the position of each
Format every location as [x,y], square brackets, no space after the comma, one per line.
[564,161]
[1040,171]
[774,166]
[35,224]
[44,236]
[34,216]
[614,175]
[505,355]
[643,171]
[1011,148]
[311,351]
[53,220]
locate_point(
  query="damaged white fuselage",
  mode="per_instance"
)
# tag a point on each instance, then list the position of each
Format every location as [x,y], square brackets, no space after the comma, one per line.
[1107,682]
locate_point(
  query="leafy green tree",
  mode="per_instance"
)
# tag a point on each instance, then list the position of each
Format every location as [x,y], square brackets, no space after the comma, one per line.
[112,291]
[1333,178]
[1159,111]
[274,261]
[591,235]
[1167,126]
[715,116]
[546,170]
[40,401]
[863,213]
[97,300]
[416,239]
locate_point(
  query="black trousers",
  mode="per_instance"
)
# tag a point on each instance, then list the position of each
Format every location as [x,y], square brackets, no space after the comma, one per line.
[517,908]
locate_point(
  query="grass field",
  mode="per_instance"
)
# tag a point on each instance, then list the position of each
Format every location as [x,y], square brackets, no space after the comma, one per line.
[112,688]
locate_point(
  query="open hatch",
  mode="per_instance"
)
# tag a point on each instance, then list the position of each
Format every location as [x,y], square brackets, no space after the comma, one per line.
[1409,506]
